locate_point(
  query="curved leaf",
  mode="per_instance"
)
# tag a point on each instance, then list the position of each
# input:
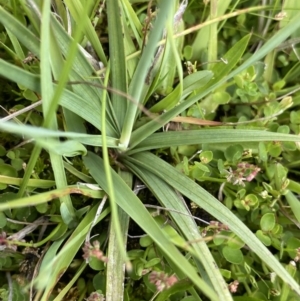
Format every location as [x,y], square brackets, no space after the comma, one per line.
[132,205]
[173,203]
[209,136]
[205,200]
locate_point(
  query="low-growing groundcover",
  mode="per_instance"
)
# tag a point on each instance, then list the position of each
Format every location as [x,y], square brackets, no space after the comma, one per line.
[149,150]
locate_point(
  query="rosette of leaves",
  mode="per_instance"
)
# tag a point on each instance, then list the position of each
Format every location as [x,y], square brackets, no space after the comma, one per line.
[112,101]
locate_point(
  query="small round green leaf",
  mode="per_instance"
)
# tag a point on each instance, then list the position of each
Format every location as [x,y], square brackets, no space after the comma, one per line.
[2,151]
[221,98]
[81,284]
[275,150]
[8,170]
[226,273]
[292,245]
[3,220]
[206,157]
[202,167]
[99,282]
[267,222]
[262,152]
[188,52]
[133,254]
[266,240]
[234,256]
[294,117]
[153,262]
[219,240]
[11,154]
[284,129]
[235,242]
[145,241]
[96,264]
[17,164]
[234,152]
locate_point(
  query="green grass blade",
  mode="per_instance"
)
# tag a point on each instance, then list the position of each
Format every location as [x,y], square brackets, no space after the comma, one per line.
[16,45]
[52,269]
[206,201]
[129,202]
[209,136]
[220,71]
[68,287]
[81,105]
[107,169]
[203,36]
[169,199]
[212,49]
[46,89]
[45,65]
[20,76]
[27,38]
[271,44]
[83,71]
[41,133]
[43,184]
[138,80]
[133,20]
[77,11]
[50,59]
[130,48]
[117,59]
[45,197]
[115,274]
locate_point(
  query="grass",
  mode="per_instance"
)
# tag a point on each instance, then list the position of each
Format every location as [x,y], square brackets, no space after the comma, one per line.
[99,152]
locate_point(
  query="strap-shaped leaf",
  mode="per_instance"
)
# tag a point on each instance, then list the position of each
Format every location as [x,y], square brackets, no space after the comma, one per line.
[210,136]
[205,200]
[233,56]
[169,199]
[132,205]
